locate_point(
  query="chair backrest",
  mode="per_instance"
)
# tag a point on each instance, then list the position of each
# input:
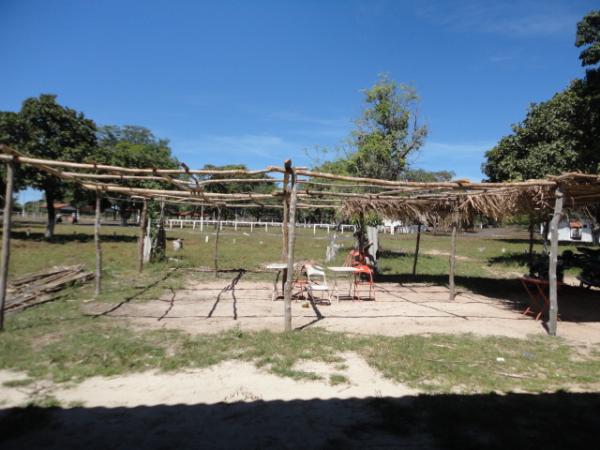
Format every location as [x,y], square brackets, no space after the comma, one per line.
[313,272]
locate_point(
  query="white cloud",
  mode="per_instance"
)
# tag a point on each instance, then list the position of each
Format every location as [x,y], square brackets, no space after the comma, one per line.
[510,18]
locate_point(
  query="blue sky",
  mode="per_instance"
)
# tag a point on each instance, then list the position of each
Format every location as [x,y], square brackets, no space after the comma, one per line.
[257,82]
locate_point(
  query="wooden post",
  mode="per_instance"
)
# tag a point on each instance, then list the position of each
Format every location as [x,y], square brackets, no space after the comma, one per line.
[97,243]
[530,258]
[286,208]
[451,285]
[201,218]
[216,255]
[142,235]
[553,314]
[287,294]
[414,272]
[6,224]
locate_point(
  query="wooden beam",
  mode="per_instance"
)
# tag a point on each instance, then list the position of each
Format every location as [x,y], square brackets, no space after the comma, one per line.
[97,244]
[142,235]
[553,314]
[6,224]
[287,294]
[451,284]
[414,271]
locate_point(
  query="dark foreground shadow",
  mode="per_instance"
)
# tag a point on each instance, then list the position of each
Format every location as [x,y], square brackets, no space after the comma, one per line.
[512,421]
[575,304]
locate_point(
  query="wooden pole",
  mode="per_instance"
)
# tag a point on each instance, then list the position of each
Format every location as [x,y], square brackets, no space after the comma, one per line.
[414,272]
[216,255]
[451,284]
[142,235]
[6,224]
[287,294]
[97,243]
[553,314]
[530,257]
[286,208]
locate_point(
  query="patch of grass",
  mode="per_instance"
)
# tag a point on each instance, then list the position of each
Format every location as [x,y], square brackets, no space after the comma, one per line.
[18,383]
[56,341]
[338,378]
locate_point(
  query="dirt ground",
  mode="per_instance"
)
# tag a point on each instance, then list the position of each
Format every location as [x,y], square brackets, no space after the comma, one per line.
[399,309]
[237,405]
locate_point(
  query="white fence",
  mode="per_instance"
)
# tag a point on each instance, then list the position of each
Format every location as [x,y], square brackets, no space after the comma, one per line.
[199,224]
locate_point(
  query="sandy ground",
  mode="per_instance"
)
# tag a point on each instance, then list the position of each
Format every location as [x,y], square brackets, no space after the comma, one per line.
[230,381]
[399,309]
[236,405]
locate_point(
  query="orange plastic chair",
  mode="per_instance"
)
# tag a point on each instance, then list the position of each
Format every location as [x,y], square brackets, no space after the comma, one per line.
[363,276]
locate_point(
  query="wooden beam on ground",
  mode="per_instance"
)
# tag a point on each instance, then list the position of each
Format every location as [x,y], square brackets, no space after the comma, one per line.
[553,313]
[143,219]
[414,271]
[287,294]
[97,244]
[451,284]
[6,224]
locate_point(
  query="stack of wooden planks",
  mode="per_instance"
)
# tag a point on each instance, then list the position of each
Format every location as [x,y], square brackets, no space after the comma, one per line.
[41,287]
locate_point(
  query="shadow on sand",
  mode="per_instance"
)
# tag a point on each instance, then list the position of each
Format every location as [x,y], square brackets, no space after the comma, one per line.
[575,304]
[512,421]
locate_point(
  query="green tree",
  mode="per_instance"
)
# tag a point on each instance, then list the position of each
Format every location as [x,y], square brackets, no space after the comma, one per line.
[551,139]
[45,129]
[588,36]
[387,132]
[133,146]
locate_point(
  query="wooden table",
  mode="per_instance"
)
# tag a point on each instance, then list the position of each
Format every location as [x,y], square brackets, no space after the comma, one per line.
[536,289]
[337,270]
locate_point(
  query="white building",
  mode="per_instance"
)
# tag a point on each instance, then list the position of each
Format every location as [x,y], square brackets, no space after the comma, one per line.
[575,229]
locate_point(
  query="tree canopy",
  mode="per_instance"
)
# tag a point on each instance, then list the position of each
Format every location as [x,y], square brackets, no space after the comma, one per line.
[558,135]
[386,133]
[43,128]
[133,146]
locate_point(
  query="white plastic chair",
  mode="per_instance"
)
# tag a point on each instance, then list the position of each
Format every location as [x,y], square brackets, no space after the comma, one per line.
[317,282]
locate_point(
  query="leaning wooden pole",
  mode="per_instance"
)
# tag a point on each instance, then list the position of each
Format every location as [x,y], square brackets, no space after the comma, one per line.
[97,244]
[414,271]
[287,294]
[451,284]
[6,224]
[286,209]
[553,314]
[142,235]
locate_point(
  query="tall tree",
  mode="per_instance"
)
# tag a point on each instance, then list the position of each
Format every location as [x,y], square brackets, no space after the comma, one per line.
[43,128]
[387,132]
[550,140]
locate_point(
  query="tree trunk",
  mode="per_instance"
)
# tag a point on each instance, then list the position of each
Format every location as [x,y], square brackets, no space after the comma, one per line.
[414,270]
[287,293]
[49,232]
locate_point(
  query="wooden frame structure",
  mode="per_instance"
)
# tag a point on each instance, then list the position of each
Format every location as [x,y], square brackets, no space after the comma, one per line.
[295,188]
